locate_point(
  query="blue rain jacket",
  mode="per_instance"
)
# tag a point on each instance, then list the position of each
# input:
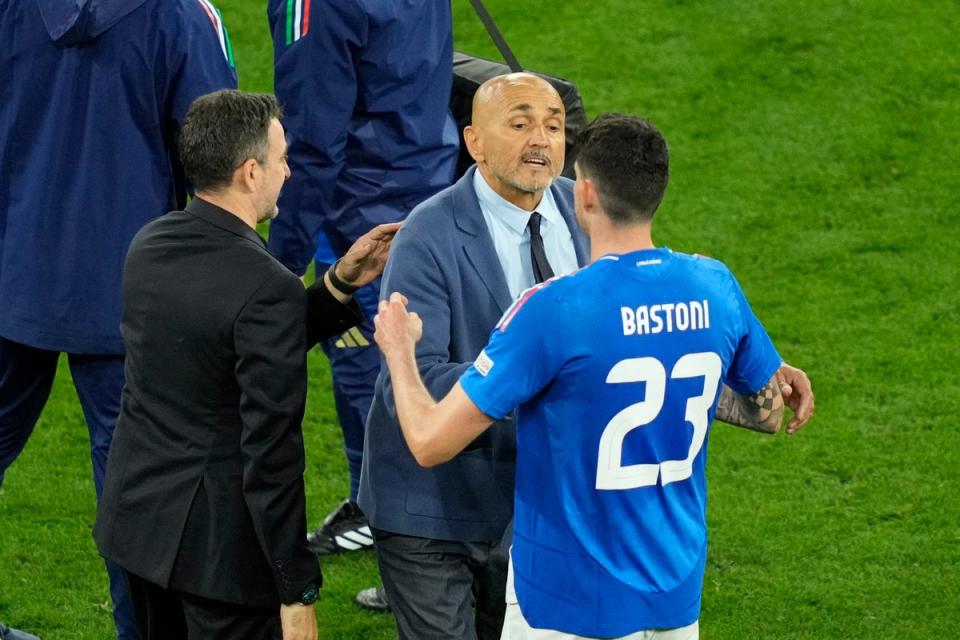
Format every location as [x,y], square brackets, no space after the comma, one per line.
[365,89]
[91,94]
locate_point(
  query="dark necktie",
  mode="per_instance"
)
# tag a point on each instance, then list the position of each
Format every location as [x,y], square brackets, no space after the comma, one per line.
[538,257]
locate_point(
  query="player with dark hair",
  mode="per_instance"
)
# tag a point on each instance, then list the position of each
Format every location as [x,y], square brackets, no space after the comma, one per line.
[617,371]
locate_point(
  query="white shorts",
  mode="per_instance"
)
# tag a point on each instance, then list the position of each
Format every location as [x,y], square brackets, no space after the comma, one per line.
[515,626]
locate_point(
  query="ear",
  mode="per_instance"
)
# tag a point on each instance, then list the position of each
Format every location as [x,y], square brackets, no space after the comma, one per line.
[474,146]
[247,174]
[587,193]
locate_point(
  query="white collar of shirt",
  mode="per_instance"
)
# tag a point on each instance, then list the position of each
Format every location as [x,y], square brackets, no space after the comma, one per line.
[510,214]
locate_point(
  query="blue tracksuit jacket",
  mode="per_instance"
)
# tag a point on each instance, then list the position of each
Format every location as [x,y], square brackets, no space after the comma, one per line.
[91,93]
[365,88]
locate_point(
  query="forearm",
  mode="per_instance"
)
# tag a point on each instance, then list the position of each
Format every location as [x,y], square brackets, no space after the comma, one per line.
[761,411]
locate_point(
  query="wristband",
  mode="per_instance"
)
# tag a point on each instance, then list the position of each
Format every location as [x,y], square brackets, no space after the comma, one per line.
[338,284]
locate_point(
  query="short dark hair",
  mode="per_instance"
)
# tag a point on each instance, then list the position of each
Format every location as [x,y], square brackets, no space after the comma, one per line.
[221,131]
[626,158]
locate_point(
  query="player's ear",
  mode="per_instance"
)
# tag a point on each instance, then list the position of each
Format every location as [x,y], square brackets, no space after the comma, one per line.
[586,192]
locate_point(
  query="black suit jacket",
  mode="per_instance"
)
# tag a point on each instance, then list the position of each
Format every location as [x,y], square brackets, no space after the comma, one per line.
[204,485]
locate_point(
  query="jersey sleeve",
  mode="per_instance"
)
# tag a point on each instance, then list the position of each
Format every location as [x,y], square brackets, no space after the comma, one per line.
[756,359]
[316,44]
[523,355]
[205,58]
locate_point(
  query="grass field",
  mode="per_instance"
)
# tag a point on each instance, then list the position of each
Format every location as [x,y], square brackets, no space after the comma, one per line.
[814,148]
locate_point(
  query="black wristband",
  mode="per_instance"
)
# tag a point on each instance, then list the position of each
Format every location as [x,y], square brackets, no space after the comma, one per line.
[338,284]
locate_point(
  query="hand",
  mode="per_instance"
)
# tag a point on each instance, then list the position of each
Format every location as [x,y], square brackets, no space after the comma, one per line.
[797,394]
[364,261]
[397,330]
[298,621]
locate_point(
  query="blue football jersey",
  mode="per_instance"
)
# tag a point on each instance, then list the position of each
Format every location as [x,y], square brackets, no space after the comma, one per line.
[616,370]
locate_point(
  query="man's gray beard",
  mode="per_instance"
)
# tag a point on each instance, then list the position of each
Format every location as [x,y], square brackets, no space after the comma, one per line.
[526,188]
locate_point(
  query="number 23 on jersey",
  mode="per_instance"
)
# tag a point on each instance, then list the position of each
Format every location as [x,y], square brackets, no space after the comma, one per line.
[612,474]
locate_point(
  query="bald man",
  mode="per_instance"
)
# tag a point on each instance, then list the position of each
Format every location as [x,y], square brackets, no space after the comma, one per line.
[462,258]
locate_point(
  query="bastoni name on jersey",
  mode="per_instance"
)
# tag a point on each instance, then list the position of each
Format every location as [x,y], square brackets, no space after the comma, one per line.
[665,318]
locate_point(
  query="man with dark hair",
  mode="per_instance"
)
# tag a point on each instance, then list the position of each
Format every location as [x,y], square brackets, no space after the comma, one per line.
[617,371]
[93,93]
[204,502]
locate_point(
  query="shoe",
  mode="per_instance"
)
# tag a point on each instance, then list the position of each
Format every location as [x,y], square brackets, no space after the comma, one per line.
[6,633]
[345,529]
[374,598]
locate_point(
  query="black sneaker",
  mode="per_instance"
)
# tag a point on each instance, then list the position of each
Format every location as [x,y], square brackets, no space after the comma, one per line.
[374,598]
[344,529]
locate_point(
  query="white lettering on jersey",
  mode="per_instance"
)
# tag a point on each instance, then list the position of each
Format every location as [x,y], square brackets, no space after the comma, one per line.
[665,318]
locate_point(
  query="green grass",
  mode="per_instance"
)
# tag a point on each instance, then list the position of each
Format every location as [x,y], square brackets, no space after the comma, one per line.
[814,150]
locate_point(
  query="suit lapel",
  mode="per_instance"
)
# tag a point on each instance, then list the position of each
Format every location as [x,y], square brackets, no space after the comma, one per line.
[477,243]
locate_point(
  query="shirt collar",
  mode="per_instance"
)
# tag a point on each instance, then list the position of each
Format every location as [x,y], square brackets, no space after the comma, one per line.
[510,214]
[222,218]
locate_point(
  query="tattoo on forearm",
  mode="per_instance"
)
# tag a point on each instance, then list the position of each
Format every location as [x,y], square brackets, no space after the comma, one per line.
[759,412]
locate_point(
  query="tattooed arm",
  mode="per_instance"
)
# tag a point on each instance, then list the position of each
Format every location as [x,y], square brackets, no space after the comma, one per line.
[762,411]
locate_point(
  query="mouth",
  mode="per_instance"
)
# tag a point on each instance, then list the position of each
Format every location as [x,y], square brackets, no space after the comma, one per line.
[535,160]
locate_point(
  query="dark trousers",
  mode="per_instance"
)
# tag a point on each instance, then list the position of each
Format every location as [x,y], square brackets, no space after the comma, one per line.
[26,377]
[433,586]
[167,614]
[354,365]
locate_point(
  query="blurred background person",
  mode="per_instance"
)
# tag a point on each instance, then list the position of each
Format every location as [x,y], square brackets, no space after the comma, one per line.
[91,98]
[365,88]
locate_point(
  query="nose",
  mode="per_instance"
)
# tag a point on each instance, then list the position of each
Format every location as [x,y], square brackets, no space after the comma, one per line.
[538,136]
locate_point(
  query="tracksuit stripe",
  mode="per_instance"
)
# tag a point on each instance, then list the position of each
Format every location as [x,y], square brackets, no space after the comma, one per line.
[214,16]
[296,20]
[226,39]
[289,21]
[306,18]
[206,10]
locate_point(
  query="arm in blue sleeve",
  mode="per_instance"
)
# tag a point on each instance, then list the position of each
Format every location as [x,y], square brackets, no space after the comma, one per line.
[315,80]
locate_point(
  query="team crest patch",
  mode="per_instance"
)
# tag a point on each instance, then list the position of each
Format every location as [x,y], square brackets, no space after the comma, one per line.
[483,364]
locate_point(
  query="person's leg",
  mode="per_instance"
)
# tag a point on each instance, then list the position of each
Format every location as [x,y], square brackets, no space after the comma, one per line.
[490,590]
[26,377]
[99,382]
[354,364]
[429,586]
[159,613]
[215,620]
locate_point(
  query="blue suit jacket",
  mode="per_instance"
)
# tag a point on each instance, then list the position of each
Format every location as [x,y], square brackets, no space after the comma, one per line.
[444,261]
